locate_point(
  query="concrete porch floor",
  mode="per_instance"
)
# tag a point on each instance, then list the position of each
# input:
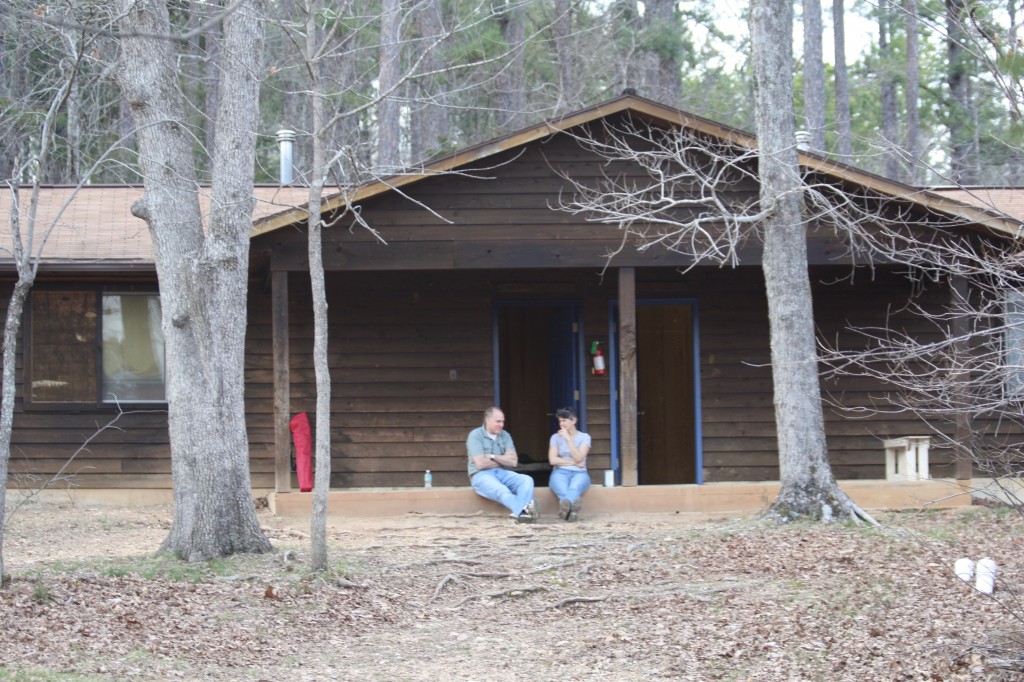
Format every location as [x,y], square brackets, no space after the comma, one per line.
[719,498]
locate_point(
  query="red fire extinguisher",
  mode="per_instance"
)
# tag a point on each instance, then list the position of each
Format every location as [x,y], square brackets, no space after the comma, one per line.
[598,355]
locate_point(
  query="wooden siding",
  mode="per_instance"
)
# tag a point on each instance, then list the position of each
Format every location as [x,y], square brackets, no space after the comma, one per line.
[411,370]
[411,359]
[738,419]
[133,453]
[509,221]
[51,439]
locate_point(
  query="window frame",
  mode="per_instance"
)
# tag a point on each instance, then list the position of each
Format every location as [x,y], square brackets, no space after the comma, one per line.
[98,404]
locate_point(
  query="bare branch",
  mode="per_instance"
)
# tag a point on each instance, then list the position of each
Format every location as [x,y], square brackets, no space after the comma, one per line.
[684,199]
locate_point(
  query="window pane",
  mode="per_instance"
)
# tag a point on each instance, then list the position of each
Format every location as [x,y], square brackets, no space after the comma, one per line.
[63,347]
[1014,343]
[133,349]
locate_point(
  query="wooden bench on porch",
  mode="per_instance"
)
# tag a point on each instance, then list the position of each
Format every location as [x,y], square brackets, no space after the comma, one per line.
[906,458]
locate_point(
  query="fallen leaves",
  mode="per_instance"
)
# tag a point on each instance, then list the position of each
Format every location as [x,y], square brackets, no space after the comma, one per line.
[630,599]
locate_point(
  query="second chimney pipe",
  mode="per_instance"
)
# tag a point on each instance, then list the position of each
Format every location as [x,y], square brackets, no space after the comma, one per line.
[285,138]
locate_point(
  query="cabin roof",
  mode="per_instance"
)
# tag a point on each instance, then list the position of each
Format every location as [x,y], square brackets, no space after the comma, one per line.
[94,223]
[960,207]
[1007,200]
[94,227]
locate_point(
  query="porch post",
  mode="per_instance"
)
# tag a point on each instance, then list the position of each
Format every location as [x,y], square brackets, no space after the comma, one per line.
[959,290]
[627,376]
[282,382]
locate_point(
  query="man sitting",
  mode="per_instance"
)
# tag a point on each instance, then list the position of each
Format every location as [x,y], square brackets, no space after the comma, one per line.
[492,456]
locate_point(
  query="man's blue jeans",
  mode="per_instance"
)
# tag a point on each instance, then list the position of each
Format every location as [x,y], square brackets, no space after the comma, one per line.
[569,485]
[513,490]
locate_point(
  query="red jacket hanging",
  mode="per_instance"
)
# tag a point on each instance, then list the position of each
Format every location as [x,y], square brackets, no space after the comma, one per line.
[303,449]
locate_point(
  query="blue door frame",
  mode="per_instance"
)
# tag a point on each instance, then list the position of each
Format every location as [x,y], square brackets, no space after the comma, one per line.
[613,385]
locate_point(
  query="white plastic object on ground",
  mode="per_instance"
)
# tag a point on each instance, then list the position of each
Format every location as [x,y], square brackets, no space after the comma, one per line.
[964,569]
[986,572]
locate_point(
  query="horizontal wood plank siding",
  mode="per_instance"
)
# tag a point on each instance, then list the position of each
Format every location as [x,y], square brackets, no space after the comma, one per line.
[736,388]
[411,352]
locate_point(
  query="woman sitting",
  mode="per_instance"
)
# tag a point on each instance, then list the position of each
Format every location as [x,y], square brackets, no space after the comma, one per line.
[567,453]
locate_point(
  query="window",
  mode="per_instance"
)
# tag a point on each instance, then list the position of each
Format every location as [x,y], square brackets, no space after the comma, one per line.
[133,348]
[89,348]
[1013,344]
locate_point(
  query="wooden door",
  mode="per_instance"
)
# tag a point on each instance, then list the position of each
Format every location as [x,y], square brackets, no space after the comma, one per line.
[537,372]
[666,395]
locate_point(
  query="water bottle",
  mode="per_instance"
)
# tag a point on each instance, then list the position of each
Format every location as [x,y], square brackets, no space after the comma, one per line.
[428,480]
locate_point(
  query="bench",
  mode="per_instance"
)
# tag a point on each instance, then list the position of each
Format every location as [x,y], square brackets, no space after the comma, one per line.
[906,458]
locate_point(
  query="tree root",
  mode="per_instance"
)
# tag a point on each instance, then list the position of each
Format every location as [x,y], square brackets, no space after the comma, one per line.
[573,600]
[510,592]
[458,578]
[434,562]
[859,515]
[560,564]
[816,504]
[450,578]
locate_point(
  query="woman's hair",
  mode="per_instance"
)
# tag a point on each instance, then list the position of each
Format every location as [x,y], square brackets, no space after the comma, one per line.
[565,413]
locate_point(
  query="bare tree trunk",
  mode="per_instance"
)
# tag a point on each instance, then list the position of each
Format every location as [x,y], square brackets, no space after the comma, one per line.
[1015,164]
[808,488]
[565,55]
[664,79]
[389,117]
[625,24]
[73,166]
[963,164]
[23,239]
[844,133]
[322,482]
[13,88]
[12,329]
[511,93]
[814,75]
[203,277]
[912,115]
[430,128]
[207,71]
[887,83]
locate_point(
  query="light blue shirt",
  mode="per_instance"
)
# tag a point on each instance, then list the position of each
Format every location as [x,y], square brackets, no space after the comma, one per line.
[580,439]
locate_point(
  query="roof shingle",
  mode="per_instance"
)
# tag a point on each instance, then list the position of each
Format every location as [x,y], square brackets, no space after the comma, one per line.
[98,224]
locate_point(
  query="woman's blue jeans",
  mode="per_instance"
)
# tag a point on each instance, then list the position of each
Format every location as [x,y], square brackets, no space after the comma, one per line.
[569,485]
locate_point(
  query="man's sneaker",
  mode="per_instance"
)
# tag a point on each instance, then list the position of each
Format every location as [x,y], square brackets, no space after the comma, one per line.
[524,517]
[531,509]
[564,507]
[574,511]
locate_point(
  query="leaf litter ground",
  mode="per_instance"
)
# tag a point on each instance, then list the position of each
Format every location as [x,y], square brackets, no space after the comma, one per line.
[631,597]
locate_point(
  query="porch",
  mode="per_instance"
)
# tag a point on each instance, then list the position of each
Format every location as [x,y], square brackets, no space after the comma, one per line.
[714,498]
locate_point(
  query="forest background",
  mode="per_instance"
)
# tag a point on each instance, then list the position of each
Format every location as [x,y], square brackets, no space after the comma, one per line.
[922,92]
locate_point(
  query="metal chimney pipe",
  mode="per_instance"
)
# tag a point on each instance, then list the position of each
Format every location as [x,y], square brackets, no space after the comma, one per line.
[803,140]
[285,138]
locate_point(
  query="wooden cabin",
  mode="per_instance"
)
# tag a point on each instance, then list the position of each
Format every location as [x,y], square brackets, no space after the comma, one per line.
[473,289]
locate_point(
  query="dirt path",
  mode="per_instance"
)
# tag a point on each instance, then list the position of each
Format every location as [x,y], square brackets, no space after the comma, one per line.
[477,598]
